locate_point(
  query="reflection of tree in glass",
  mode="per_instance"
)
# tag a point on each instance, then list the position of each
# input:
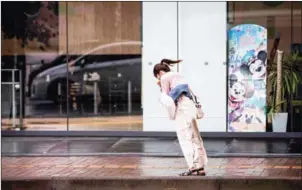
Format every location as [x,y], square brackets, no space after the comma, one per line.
[13,17]
[44,26]
[296,48]
[53,6]
[37,22]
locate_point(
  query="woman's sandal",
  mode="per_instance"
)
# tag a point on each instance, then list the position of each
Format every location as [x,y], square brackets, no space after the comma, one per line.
[196,172]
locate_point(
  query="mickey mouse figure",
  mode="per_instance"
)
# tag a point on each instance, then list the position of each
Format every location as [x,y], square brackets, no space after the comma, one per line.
[254,66]
[239,91]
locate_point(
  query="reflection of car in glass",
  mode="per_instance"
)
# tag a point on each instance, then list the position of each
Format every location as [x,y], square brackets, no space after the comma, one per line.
[113,72]
[61,59]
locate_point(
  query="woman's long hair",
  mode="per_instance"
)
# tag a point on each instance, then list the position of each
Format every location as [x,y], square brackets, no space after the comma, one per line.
[164,65]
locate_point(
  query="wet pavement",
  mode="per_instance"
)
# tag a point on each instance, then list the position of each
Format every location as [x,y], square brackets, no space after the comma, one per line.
[162,147]
[111,172]
[113,166]
[147,163]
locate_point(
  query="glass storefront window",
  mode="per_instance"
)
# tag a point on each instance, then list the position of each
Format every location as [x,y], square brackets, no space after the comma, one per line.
[80,66]
[105,78]
[282,22]
[30,45]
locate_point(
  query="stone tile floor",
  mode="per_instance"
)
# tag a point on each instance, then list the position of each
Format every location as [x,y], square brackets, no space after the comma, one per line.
[136,167]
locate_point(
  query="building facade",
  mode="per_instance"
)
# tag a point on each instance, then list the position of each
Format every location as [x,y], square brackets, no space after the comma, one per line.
[87,66]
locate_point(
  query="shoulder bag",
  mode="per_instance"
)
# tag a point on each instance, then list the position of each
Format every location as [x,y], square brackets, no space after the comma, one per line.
[199,112]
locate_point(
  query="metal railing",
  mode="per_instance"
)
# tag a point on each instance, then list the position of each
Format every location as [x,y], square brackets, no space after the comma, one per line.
[15,85]
[16,103]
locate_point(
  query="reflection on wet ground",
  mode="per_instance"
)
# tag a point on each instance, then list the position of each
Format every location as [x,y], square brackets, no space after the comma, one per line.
[148,173]
[40,146]
[116,167]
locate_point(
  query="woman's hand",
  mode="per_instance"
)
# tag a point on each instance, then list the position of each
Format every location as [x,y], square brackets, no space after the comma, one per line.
[158,83]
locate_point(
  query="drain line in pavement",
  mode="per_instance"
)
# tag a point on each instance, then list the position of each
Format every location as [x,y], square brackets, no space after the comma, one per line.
[54,146]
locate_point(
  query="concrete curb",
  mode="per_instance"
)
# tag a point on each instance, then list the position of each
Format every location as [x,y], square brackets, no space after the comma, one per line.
[211,155]
[142,178]
[156,183]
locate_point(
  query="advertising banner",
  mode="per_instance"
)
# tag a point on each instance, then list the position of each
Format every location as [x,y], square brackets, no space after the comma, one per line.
[247,56]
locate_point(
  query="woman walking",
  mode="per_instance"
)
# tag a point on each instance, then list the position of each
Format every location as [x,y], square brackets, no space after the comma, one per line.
[174,85]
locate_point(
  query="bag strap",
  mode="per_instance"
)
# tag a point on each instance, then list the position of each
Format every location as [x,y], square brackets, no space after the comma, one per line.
[194,97]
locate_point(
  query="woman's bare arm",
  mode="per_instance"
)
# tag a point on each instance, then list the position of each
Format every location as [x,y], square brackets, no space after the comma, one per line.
[165,86]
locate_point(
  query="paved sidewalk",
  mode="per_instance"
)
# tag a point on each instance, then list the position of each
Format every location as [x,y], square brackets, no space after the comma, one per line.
[27,168]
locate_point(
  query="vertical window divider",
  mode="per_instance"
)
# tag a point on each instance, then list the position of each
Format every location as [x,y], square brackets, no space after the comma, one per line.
[227,60]
[67,77]
[291,68]
[177,32]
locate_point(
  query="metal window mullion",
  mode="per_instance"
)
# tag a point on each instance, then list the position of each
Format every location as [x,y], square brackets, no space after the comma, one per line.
[13,99]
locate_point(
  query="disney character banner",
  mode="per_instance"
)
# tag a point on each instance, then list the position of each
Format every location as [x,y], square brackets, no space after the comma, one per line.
[247,78]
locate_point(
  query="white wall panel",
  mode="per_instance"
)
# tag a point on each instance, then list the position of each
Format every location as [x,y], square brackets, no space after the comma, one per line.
[159,41]
[202,46]
[201,42]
